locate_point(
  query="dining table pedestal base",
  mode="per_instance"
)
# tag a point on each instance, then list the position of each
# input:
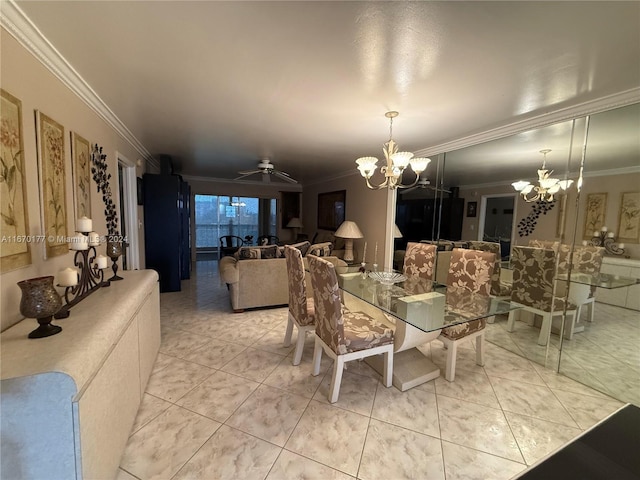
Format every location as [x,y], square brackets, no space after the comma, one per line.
[410,368]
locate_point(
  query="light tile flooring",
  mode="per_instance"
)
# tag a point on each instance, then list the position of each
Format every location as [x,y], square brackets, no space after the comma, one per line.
[604,356]
[224,402]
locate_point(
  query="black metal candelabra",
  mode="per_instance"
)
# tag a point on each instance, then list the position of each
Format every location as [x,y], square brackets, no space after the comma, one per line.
[91,279]
[606,240]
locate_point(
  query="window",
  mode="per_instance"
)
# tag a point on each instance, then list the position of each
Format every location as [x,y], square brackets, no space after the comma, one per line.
[217,216]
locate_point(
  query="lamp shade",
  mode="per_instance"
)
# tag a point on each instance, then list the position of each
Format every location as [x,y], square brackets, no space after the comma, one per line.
[294,223]
[396,232]
[348,229]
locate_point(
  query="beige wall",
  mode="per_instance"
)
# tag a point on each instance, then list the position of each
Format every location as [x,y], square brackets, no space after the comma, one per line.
[368,208]
[546,229]
[24,77]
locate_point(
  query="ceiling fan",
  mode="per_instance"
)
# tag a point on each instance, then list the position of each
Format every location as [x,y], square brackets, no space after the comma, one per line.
[266,168]
[425,183]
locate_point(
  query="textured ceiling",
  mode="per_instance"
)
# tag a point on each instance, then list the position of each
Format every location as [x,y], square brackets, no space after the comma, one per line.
[218,85]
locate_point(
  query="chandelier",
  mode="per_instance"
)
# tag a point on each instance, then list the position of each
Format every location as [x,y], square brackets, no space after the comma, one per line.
[396,164]
[547,187]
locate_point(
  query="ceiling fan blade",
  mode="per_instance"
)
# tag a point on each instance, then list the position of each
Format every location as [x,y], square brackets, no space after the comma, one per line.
[407,190]
[285,176]
[436,189]
[245,175]
[266,177]
[249,172]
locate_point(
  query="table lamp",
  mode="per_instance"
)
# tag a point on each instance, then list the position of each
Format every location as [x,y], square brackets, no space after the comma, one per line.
[348,230]
[294,223]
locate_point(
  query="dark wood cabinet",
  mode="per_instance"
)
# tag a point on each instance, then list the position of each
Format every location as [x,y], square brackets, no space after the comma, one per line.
[167,200]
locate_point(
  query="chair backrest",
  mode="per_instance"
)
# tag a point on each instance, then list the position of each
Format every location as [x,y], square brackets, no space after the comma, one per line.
[440,244]
[491,247]
[533,274]
[471,270]
[268,240]
[586,259]
[231,241]
[297,285]
[544,244]
[326,298]
[419,260]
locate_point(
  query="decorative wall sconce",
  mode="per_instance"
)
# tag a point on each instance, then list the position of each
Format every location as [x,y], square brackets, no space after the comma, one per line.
[606,239]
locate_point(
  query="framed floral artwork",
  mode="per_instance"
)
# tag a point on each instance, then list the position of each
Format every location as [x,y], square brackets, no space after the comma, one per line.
[14,222]
[51,162]
[81,165]
[595,209]
[629,218]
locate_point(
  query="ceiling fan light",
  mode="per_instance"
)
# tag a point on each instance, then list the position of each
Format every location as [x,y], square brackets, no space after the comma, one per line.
[519,185]
[419,164]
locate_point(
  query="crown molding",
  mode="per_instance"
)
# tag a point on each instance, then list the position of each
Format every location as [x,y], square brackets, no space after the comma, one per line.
[609,102]
[16,22]
[588,174]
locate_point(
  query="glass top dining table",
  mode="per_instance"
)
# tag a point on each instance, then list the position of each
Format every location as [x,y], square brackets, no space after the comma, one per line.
[424,304]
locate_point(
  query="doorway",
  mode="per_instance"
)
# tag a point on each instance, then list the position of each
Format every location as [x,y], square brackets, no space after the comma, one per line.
[128,195]
[497,221]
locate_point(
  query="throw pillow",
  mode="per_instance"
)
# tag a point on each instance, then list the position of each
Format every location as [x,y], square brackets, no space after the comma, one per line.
[321,249]
[303,247]
[269,252]
[246,253]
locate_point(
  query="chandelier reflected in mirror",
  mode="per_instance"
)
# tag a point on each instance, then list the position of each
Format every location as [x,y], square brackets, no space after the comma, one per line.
[397,163]
[547,187]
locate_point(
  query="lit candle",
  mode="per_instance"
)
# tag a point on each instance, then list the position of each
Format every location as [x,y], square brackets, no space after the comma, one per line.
[596,233]
[610,235]
[94,239]
[67,277]
[604,229]
[364,253]
[84,224]
[101,262]
[79,242]
[585,243]
[375,254]
[621,245]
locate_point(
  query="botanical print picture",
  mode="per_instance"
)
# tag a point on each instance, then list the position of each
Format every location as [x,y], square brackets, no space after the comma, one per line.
[629,221]
[51,158]
[14,222]
[595,210]
[81,164]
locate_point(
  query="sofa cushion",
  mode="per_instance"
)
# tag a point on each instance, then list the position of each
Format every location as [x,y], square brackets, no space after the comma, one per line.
[256,253]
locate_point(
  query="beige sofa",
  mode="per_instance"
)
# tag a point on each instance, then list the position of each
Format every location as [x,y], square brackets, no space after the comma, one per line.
[254,283]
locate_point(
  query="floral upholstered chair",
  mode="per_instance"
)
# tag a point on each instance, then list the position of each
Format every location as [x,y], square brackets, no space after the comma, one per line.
[344,335]
[498,288]
[586,259]
[544,244]
[468,282]
[533,278]
[301,308]
[419,260]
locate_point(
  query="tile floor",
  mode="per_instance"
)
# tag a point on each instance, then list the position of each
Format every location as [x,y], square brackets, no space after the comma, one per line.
[224,402]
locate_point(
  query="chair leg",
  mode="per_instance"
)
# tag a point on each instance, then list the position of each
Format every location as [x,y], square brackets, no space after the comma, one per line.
[450,369]
[545,329]
[336,379]
[388,368]
[288,333]
[480,350]
[591,305]
[317,357]
[512,320]
[297,355]
[568,333]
